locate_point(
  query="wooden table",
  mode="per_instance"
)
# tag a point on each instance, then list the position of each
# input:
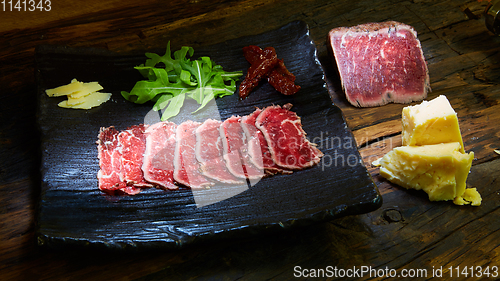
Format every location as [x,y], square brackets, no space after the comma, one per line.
[407,235]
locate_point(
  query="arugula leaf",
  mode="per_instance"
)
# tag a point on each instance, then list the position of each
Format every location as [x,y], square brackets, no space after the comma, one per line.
[169,81]
[174,106]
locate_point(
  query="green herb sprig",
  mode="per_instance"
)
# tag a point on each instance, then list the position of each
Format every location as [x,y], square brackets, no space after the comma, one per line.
[171,80]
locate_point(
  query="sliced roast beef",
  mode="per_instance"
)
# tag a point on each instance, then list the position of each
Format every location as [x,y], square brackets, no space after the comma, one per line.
[209,152]
[158,164]
[258,150]
[380,63]
[235,147]
[196,155]
[187,168]
[132,146]
[286,139]
[110,163]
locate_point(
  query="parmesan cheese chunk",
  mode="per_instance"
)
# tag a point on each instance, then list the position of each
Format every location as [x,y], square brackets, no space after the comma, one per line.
[431,122]
[432,157]
[440,170]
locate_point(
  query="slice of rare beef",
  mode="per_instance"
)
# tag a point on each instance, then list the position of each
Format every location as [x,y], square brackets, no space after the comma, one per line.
[132,146]
[234,143]
[257,148]
[110,163]
[286,139]
[158,163]
[186,167]
[209,152]
[380,63]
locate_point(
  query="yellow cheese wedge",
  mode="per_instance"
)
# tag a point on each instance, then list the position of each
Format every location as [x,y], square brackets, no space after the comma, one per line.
[65,89]
[431,122]
[92,100]
[440,169]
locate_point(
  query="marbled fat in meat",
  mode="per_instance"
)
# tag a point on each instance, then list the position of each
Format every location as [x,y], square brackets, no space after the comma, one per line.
[380,63]
[209,152]
[110,163]
[258,150]
[286,139]
[158,164]
[235,153]
[132,146]
[187,168]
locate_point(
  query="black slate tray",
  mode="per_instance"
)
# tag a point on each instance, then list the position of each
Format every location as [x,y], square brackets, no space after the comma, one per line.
[72,211]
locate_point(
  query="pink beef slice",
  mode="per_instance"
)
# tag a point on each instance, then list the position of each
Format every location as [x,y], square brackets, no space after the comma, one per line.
[258,150]
[158,163]
[209,152]
[133,145]
[286,139]
[235,147]
[110,163]
[380,63]
[187,168]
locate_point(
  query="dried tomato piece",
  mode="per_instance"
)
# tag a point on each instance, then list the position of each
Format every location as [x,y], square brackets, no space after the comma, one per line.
[262,65]
[282,80]
[265,64]
[252,53]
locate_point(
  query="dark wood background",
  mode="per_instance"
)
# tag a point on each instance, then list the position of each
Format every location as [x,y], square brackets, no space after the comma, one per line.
[407,232]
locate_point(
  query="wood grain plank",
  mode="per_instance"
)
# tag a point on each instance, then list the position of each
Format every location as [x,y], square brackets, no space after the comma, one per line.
[427,234]
[419,235]
[407,232]
[64,13]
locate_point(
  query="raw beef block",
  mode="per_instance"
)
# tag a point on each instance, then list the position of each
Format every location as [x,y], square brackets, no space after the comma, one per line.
[380,63]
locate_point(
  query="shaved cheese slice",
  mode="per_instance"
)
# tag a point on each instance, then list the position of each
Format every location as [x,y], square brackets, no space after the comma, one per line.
[92,100]
[65,90]
[80,95]
[74,101]
[85,90]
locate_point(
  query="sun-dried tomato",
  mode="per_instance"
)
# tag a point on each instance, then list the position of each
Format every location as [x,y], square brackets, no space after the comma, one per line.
[262,65]
[265,64]
[282,80]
